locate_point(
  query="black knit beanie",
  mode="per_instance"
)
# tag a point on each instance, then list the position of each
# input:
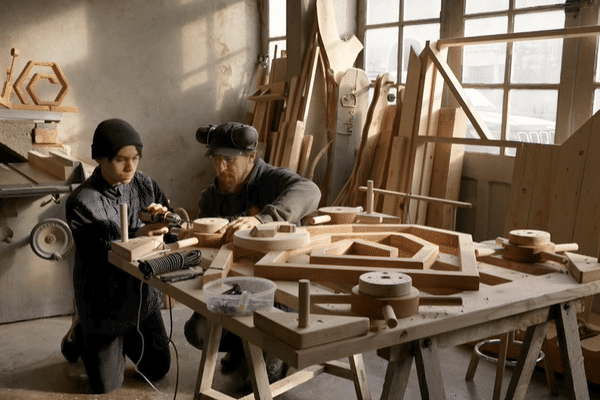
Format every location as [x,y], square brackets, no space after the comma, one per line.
[111,136]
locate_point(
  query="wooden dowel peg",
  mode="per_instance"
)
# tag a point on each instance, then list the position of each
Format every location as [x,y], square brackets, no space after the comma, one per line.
[561,248]
[548,256]
[370,197]
[390,316]
[192,241]
[124,223]
[319,219]
[304,303]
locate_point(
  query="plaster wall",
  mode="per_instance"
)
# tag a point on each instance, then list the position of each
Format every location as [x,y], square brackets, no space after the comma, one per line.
[165,66]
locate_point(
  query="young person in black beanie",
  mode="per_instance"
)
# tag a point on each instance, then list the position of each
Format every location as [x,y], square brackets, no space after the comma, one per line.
[118,315]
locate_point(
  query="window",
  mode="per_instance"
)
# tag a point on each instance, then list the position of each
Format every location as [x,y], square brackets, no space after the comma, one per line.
[390,22]
[277,27]
[513,85]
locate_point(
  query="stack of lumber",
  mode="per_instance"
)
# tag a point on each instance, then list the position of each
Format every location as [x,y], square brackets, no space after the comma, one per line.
[556,188]
[280,111]
[398,151]
[281,129]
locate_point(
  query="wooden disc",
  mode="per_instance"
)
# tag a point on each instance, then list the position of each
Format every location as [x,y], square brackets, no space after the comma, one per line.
[529,237]
[525,254]
[385,284]
[341,215]
[282,241]
[372,307]
[209,225]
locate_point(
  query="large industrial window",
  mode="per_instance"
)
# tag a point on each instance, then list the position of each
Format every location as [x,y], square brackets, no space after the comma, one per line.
[514,87]
[390,22]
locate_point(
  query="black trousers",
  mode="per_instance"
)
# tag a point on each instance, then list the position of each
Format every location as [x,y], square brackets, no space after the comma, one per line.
[104,356]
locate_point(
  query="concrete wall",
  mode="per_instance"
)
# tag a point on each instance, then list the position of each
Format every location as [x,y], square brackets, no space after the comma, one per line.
[166,66]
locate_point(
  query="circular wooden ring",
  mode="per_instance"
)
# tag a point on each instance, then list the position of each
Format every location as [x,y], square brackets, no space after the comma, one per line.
[283,241]
[341,215]
[385,284]
[529,237]
[209,225]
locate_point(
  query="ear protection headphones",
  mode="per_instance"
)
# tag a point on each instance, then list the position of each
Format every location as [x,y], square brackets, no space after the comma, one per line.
[233,135]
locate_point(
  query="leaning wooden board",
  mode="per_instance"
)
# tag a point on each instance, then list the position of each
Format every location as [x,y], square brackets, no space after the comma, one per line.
[556,188]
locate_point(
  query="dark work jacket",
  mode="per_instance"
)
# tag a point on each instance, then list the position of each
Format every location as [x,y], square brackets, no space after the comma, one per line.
[108,299]
[270,194]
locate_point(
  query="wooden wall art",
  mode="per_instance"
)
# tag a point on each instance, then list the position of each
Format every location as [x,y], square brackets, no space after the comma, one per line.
[55,77]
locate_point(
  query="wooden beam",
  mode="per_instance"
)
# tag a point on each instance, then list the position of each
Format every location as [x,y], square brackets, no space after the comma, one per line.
[521,36]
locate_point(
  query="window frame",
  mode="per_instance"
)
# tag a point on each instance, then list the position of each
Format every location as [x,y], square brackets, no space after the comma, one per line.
[577,83]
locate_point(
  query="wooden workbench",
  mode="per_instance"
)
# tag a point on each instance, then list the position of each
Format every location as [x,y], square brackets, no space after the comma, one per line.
[511,297]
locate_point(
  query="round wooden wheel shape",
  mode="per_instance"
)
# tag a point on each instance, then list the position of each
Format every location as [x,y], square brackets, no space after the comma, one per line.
[208,225]
[385,284]
[529,237]
[372,307]
[282,241]
[341,215]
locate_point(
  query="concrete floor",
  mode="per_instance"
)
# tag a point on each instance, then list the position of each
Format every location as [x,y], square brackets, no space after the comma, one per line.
[32,368]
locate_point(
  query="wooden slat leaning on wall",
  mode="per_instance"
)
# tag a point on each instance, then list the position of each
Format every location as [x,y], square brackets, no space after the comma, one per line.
[447,168]
[556,188]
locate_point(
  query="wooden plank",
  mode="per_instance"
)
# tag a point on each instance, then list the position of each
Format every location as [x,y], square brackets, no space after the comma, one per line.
[371,130]
[352,104]
[221,265]
[427,361]
[359,377]
[53,164]
[37,175]
[568,184]
[382,150]
[521,36]
[447,168]
[397,173]
[321,330]
[31,115]
[585,232]
[583,268]
[420,153]
[400,361]
[305,152]
[9,177]
[295,132]
[208,361]
[258,371]
[340,53]
[458,92]
[570,350]
[398,153]
[523,182]
[541,198]
[530,350]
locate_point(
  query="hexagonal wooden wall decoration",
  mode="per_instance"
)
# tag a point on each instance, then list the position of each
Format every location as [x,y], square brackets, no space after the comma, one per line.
[58,77]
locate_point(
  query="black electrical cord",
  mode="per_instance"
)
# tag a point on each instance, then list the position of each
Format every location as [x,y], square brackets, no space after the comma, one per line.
[168,263]
[170,341]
